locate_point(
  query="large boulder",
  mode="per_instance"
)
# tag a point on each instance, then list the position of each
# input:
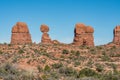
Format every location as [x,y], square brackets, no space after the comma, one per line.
[116,33]
[20,34]
[83,35]
[44,28]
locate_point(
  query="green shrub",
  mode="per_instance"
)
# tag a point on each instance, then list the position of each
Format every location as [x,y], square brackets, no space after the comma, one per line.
[57,65]
[110,76]
[99,47]
[21,51]
[114,66]
[54,75]
[65,51]
[86,72]
[47,68]
[103,53]
[36,51]
[1,52]
[39,68]
[89,63]
[45,77]
[105,58]
[9,45]
[67,71]
[76,63]
[93,51]
[8,72]
[72,51]
[99,68]
[77,53]
[15,59]
[8,69]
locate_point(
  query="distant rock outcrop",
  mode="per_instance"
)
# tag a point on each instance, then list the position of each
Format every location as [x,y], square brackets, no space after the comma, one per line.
[55,42]
[20,34]
[45,36]
[83,35]
[116,33]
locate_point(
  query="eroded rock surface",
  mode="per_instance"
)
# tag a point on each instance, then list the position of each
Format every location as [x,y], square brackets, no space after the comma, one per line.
[83,35]
[116,33]
[20,34]
[45,36]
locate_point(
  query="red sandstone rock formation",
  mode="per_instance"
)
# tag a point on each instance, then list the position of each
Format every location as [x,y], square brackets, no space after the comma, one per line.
[55,42]
[116,33]
[83,35]
[20,34]
[45,37]
[44,28]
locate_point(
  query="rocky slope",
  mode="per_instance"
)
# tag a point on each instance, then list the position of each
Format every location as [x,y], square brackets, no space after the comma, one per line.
[61,61]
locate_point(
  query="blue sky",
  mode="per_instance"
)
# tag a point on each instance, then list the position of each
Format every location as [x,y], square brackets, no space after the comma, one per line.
[61,17]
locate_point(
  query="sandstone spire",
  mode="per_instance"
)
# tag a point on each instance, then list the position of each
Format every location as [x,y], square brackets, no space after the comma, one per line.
[83,35]
[116,33]
[20,34]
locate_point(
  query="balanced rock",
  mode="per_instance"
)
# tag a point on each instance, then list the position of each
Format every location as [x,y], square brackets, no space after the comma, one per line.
[83,35]
[116,33]
[44,28]
[20,34]
[45,36]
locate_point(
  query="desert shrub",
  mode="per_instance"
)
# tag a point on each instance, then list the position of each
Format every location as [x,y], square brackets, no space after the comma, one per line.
[39,68]
[67,71]
[15,59]
[47,68]
[99,47]
[93,51]
[114,47]
[8,69]
[21,51]
[57,65]
[82,58]
[1,52]
[72,51]
[110,76]
[112,65]
[9,45]
[62,58]
[111,54]
[89,63]
[5,43]
[65,51]
[103,53]
[117,55]
[99,67]
[55,75]
[51,76]
[77,53]
[70,57]
[29,61]
[77,63]
[45,77]
[36,51]
[43,61]
[27,76]
[105,58]
[84,47]
[86,72]
[8,72]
